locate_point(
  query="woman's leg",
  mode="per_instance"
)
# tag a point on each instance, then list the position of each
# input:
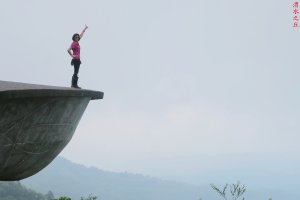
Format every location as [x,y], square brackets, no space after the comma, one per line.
[75,75]
[76,69]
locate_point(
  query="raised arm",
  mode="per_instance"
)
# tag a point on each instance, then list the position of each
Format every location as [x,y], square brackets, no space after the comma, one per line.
[81,34]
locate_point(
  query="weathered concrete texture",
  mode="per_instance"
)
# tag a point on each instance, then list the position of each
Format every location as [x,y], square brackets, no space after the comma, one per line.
[18,90]
[36,123]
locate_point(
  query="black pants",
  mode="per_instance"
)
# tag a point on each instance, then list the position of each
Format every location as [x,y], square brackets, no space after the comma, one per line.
[76,63]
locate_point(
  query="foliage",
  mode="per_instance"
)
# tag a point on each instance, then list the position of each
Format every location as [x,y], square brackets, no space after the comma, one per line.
[15,191]
[90,197]
[236,191]
[63,198]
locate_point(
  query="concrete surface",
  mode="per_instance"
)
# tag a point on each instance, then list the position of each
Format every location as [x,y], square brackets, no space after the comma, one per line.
[36,123]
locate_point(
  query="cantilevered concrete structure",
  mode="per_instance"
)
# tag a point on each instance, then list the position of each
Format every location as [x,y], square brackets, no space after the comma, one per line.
[36,123]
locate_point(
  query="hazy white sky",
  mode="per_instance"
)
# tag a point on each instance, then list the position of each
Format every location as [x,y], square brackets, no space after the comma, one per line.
[186,82]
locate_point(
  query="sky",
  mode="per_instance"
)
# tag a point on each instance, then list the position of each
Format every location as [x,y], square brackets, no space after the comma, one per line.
[190,86]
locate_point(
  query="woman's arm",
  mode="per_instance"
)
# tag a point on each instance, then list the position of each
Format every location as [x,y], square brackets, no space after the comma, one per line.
[81,34]
[70,52]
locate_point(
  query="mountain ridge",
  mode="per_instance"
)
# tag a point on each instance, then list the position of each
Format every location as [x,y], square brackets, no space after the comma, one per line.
[65,178]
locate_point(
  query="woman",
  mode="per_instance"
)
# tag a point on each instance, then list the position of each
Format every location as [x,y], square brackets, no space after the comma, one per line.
[74,52]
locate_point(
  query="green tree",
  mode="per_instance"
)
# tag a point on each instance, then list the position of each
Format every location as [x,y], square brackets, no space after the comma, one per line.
[90,197]
[63,198]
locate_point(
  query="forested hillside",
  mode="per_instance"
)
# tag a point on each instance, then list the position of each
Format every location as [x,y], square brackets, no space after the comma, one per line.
[15,191]
[65,178]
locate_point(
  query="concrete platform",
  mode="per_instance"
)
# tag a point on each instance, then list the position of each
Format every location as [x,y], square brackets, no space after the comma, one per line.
[36,123]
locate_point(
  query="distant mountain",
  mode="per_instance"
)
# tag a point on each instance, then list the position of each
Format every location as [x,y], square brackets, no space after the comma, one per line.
[15,191]
[65,178]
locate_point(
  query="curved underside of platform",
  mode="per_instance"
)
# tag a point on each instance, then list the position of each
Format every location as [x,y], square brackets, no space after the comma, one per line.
[36,123]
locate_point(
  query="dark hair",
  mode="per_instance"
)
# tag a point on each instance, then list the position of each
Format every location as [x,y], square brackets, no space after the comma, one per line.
[76,34]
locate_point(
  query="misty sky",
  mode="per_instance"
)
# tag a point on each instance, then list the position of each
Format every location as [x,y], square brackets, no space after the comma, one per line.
[189,85]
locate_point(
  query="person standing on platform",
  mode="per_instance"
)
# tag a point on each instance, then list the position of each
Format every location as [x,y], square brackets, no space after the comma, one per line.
[74,51]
